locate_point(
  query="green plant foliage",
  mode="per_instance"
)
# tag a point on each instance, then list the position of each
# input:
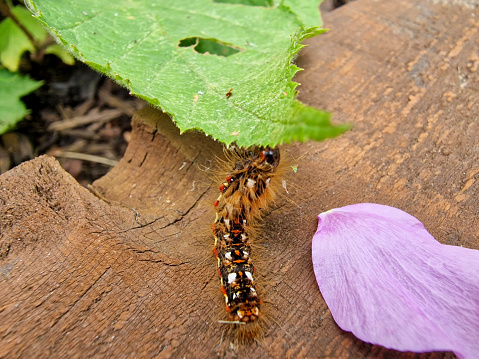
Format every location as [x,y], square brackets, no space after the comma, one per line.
[27,20]
[247,2]
[61,53]
[12,87]
[156,49]
[14,42]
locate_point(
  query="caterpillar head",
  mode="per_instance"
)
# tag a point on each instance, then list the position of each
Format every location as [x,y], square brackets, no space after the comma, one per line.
[270,156]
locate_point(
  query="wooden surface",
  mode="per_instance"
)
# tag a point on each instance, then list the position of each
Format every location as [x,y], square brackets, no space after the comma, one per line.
[126,270]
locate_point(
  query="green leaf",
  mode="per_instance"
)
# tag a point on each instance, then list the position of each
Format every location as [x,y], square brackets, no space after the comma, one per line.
[31,24]
[61,53]
[247,2]
[13,40]
[170,54]
[307,11]
[12,88]
[13,43]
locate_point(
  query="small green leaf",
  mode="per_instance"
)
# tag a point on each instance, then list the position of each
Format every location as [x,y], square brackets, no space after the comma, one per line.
[61,53]
[31,24]
[13,40]
[219,67]
[13,43]
[12,88]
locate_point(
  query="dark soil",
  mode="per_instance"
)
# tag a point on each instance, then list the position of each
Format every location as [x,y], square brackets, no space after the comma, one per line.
[72,93]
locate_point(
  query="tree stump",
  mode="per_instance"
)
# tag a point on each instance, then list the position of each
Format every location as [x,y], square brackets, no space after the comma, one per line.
[126,269]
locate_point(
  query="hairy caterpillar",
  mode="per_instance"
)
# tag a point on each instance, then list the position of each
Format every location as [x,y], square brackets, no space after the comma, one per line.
[244,193]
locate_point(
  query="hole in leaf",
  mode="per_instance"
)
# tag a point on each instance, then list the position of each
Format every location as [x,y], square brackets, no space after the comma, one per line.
[211,46]
[266,3]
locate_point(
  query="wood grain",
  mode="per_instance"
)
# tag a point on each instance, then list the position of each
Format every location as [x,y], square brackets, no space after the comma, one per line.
[126,269]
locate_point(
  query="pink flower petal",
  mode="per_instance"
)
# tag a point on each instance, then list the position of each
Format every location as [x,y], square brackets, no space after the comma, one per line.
[389,282]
